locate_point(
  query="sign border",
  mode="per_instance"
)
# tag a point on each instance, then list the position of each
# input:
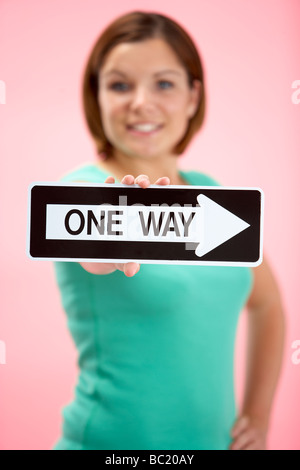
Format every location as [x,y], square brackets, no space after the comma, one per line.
[147,261]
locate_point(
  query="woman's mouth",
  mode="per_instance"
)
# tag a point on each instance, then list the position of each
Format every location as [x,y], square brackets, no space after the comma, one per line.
[145,128]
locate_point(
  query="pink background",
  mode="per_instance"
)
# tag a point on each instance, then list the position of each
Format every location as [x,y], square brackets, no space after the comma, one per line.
[251,138]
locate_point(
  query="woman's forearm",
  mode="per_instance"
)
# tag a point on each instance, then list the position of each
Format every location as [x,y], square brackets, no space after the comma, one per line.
[264,357]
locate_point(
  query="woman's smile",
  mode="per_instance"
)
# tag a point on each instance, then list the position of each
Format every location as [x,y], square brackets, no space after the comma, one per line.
[144,129]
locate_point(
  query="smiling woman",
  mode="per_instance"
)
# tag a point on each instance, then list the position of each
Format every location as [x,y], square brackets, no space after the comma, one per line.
[150,374]
[145,105]
[135,29]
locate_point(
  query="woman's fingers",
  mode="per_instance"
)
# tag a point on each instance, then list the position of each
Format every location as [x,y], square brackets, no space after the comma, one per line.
[129,269]
[246,438]
[247,434]
[143,181]
[98,268]
[240,425]
[128,179]
[164,180]
[110,179]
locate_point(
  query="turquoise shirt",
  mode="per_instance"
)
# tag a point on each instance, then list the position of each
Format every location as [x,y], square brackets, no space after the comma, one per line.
[155,351]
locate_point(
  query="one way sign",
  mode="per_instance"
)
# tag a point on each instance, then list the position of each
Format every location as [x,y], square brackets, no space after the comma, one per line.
[161,224]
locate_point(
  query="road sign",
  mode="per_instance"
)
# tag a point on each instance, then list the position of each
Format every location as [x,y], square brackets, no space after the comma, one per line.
[202,225]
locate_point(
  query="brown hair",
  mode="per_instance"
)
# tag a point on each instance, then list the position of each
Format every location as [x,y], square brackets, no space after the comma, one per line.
[134,27]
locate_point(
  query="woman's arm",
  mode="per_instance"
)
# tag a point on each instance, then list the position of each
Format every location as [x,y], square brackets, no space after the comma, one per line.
[264,356]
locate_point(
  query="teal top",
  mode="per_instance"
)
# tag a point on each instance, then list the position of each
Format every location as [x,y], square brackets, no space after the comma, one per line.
[155,351]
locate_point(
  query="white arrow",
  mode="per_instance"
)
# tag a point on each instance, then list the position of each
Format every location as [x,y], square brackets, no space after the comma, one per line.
[219,225]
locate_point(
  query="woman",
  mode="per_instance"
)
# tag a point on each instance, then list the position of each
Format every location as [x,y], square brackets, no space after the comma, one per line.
[156,348]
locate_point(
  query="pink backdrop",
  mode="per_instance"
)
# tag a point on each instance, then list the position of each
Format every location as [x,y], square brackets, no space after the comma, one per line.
[251,138]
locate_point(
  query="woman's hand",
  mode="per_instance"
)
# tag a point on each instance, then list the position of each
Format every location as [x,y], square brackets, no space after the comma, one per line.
[248,434]
[129,269]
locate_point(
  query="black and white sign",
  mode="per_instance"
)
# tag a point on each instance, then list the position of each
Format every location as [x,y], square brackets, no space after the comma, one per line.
[209,225]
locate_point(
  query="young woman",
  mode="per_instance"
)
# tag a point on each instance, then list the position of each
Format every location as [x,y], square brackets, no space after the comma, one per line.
[156,342]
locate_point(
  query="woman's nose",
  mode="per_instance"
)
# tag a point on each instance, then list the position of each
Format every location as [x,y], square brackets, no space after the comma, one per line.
[142,97]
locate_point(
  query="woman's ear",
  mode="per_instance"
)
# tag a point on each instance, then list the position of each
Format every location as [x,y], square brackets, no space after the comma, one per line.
[195,97]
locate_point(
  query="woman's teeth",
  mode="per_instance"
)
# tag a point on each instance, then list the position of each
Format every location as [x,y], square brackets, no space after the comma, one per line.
[145,127]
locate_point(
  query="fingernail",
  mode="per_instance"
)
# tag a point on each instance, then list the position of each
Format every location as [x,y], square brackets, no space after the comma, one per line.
[142,177]
[143,180]
[127,178]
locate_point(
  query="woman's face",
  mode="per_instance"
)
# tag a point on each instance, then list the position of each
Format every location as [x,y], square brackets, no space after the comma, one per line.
[145,99]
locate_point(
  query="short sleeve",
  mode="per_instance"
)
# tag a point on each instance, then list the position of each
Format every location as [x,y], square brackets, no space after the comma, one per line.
[200,179]
[85,173]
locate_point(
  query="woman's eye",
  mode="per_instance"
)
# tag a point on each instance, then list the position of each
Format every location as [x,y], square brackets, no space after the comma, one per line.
[119,86]
[165,84]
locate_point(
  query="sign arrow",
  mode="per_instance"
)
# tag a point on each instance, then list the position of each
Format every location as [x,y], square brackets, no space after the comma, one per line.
[219,225]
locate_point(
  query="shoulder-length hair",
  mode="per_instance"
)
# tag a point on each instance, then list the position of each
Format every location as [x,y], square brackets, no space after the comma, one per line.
[134,27]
